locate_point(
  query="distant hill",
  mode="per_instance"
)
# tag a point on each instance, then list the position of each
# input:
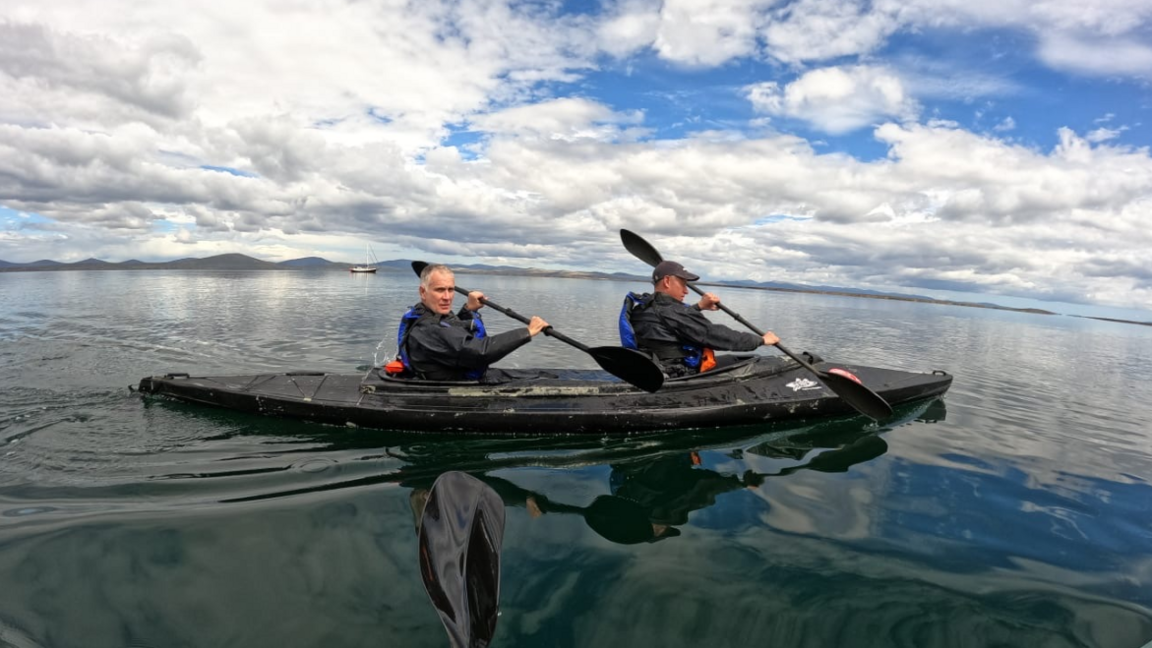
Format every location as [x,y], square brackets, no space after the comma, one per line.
[309,262]
[223,262]
[218,262]
[778,285]
[396,264]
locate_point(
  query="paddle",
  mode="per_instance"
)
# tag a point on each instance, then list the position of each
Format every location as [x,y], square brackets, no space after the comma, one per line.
[840,381]
[461,530]
[628,365]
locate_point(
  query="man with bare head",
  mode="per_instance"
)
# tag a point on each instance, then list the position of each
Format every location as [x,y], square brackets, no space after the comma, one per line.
[437,344]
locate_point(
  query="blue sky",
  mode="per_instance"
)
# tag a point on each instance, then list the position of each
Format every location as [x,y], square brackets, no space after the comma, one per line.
[968,150]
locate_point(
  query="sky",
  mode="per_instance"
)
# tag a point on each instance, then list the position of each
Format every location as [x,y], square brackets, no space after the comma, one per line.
[983,150]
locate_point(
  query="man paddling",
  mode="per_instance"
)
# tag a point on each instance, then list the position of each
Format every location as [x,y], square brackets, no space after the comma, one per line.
[436,344]
[681,338]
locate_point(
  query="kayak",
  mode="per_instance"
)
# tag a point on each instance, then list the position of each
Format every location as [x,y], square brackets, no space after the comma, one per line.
[756,389]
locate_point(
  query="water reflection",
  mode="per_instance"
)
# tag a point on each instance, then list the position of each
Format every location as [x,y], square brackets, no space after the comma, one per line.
[636,463]
[649,497]
[459,517]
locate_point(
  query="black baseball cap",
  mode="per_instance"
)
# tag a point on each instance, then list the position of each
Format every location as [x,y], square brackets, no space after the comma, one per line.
[671,268]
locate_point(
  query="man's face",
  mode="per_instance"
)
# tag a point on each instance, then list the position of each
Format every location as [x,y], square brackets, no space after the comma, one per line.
[674,287]
[437,297]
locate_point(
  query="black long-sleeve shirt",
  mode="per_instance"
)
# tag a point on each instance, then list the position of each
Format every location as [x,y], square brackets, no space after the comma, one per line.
[666,323]
[445,347]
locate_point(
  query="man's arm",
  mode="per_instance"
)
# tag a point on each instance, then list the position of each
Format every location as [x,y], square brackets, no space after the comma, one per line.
[694,328]
[454,346]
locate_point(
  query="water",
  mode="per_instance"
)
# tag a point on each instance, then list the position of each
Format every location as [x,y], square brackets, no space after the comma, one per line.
[1016,512]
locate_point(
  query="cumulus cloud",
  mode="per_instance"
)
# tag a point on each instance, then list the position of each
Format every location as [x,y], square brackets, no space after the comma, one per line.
[820,30]
[1104,134]
[1096,55]
[1005,125]
[708,32]
[361,71]
[48,76]
[567,119]
[1102,37]
[629,26]
[837,99]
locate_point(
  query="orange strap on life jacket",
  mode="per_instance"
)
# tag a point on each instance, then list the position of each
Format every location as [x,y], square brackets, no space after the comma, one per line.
[707,360]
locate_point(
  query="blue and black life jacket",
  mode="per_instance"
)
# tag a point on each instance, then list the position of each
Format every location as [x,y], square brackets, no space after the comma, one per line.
[627,333]
[409,319]
[687,354]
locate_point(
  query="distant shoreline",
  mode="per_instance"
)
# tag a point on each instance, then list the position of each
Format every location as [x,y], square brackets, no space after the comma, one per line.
[241,262]
[919,300]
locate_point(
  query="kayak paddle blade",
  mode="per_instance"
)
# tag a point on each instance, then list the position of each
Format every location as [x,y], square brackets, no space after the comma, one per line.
[461,532]
[629,365]
[849,387]
[640,248]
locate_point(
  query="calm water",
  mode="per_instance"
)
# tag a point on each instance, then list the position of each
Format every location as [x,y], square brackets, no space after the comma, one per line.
[1015,512]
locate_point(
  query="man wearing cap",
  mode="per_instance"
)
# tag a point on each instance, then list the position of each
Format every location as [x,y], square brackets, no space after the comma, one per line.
[680,337]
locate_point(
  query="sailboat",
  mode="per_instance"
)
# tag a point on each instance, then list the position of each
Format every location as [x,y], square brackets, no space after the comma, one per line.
[366,267]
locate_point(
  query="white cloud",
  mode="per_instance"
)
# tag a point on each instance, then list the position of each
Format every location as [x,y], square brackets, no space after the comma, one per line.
[819,30]
[1096,55]
[946,209]
[1104,134]
[375,71]
[1005,125]
[1103,37]
[48,77]
[837,99]
[567,119]
[708,32]
[630,26]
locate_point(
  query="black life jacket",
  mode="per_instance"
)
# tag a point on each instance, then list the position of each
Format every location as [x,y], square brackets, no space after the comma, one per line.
[687,354]
[409,319]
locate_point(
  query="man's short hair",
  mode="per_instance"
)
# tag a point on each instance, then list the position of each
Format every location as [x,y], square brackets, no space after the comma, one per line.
[426,273]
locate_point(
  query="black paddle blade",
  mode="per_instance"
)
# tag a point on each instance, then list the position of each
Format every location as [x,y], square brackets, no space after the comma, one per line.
[640,248]
[629,365]
[461,531]
[418,267]
[620,520]
[849,387]
[841,459]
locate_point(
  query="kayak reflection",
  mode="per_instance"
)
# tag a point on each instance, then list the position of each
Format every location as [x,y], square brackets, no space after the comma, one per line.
[417,462]
[649,498]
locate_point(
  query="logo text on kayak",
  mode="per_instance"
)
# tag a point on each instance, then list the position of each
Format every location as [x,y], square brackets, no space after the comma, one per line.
[803,384]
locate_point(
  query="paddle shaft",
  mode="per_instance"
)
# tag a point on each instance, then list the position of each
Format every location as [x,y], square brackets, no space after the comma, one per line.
[520,318]
[736,316]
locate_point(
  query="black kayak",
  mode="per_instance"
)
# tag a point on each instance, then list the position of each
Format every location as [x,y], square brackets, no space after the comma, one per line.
[755,390]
